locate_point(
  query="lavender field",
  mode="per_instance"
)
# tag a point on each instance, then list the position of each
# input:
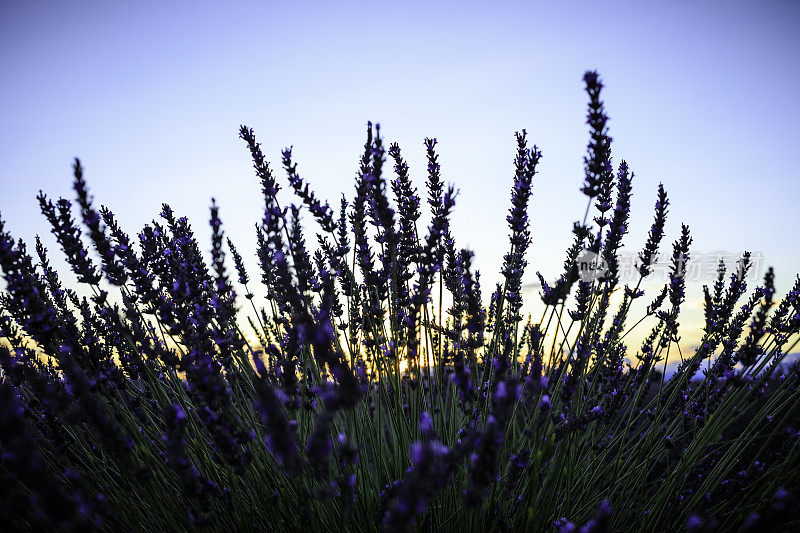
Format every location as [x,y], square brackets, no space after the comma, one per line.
[380,386]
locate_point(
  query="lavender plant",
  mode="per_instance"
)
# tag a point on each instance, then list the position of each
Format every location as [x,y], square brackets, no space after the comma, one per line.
[373,388]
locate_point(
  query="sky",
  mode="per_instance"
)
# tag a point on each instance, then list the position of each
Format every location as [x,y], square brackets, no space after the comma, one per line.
[703,96]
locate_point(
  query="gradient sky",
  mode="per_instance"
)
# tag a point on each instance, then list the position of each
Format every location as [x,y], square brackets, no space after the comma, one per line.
[702,96]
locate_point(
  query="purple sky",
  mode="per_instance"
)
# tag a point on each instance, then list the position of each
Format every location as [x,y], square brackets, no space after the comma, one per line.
[702,96]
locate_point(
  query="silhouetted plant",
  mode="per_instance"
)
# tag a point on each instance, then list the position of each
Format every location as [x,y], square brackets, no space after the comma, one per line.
[354,400]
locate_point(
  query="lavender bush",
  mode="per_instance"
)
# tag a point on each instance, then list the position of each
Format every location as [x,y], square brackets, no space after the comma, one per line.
[350,398]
